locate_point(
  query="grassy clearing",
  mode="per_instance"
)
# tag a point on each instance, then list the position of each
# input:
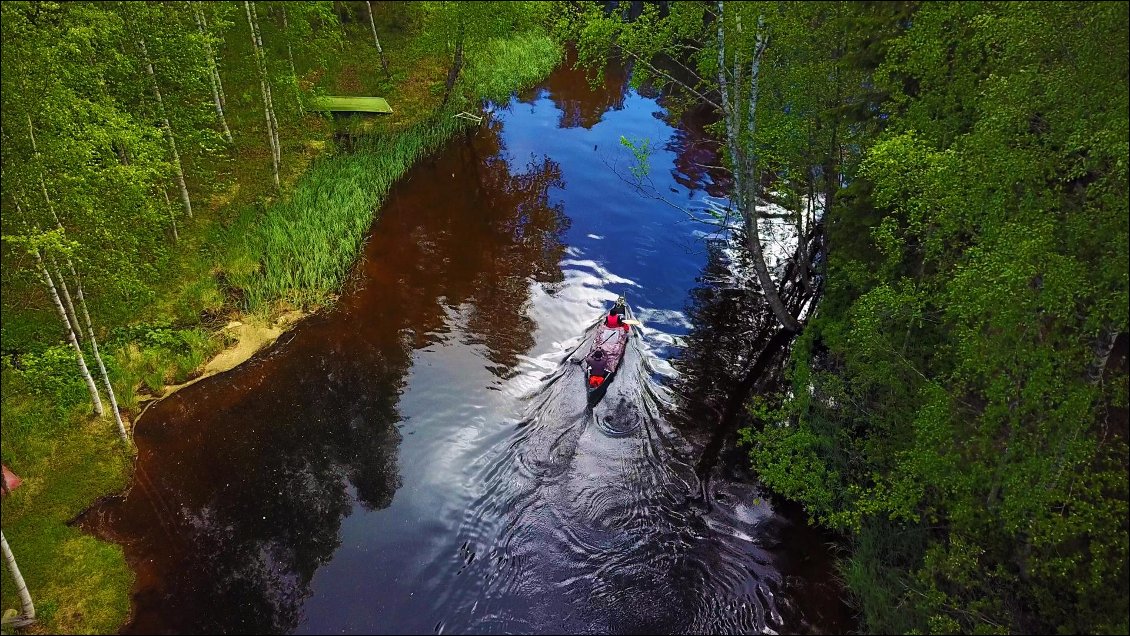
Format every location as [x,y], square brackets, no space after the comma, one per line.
[79,584]
[247,249]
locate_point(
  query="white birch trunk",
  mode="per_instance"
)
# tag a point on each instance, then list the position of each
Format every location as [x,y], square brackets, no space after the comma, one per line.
[94,397]
[267,83]
[215,66]
[72,315]
[745,166]
[213,75]
[373,25]
[265,88]
[98,356]
[172,214]
[168,131]
[27,608]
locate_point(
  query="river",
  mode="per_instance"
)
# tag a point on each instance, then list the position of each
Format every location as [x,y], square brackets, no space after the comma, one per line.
[421,458]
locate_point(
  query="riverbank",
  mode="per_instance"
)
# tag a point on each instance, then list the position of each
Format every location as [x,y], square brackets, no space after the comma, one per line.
[234,264]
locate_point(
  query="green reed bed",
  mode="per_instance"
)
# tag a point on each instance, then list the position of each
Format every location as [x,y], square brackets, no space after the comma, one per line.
[305,245]
[506,65]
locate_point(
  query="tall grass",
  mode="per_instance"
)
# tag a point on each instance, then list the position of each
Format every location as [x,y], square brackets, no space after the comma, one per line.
[506,65]
[306,245]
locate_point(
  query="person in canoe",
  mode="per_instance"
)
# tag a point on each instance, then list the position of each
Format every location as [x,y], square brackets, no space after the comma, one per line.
[608,347]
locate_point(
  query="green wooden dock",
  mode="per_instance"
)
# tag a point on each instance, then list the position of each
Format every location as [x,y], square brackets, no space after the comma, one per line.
[351,104]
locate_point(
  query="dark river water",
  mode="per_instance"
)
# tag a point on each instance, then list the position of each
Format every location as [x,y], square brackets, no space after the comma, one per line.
[421,458]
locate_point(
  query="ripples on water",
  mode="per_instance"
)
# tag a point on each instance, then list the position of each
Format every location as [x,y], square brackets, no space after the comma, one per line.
[588,520]
[424,458]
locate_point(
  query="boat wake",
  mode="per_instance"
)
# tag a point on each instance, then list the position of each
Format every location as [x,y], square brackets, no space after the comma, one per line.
[590,519]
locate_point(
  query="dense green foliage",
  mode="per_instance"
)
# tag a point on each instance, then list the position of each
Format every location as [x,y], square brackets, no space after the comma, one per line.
[950,413]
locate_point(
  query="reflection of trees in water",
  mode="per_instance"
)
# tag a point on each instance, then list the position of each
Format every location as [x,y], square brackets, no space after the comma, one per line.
[581,104]
[477,234]
[727,318]
[735,346]
[697,153]
[241,491]
[243,481]
[525,243]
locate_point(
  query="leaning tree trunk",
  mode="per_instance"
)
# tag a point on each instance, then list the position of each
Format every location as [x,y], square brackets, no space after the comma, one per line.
[373,26]
[456,66]
[168,131]
[265,89]
[172,215]
[213,74]
[215,66]
[27,608]
[97,355]
[94,397]
[72,315]
[745,167]
[267,83]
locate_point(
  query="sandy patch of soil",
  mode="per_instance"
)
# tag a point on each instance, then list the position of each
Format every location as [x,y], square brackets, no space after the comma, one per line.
[250,336]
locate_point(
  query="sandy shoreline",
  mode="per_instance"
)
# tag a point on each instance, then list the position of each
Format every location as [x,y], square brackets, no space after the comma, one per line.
[251,335]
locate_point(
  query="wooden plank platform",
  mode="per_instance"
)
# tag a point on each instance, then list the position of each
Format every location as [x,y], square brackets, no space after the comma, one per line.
[351,104]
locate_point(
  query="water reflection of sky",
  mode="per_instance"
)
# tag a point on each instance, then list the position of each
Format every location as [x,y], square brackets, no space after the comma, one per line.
[620,242]
[360,473]
[617,243]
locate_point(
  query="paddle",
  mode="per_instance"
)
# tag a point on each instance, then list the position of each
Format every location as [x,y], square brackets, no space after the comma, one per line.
[634,323]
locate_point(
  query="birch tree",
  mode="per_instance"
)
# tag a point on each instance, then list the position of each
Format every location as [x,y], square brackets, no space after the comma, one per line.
[168,128]
[773,116]
[63,149]
[265,90]
[33,242]
[214,72]
[297,89]
[27,608]
[376,41]
[98,358]
[743,156]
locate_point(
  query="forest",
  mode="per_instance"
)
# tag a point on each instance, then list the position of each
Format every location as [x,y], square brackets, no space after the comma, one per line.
[958,400]
[957,307]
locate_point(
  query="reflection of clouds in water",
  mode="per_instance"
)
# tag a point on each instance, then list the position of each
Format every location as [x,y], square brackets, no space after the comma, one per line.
[650,316]
[585,519]
[599,274]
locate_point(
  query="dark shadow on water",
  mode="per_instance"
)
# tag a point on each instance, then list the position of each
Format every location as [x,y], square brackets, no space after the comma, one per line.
[243,480]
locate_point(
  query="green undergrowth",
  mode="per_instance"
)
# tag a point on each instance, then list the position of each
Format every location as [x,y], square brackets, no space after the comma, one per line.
[67,459]
[507,65]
